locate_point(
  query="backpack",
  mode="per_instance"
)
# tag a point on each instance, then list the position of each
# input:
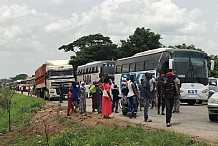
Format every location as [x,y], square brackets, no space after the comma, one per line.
[125,90]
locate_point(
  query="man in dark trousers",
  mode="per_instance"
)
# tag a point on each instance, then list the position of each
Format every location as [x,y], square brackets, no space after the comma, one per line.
[61,90]
[146,95]
[169,94]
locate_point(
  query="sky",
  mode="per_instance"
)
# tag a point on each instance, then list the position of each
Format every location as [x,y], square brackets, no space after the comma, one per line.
[31,31]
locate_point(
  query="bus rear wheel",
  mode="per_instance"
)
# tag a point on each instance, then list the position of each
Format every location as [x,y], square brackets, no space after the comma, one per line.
[191,102]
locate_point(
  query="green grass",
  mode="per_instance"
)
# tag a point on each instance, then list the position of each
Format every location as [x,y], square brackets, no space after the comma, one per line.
[21,109]
[83,135]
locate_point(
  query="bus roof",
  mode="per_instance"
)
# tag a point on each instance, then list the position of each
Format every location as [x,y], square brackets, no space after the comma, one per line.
[95,63]
[153,51]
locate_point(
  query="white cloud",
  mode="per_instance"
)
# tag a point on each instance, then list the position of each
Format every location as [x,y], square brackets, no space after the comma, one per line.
[37,33]
[56,1]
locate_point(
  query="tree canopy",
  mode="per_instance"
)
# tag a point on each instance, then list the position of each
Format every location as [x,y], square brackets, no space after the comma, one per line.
[91,48]
[142,40]
[19,77]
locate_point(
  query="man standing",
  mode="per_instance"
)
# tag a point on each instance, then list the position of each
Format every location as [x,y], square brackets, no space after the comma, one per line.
[146,95]
[132,97]
[169,94]
[61,90]
[177,96]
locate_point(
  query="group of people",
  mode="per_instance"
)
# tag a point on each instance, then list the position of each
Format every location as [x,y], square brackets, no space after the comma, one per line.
[159,94]
[165,89]
[101,103]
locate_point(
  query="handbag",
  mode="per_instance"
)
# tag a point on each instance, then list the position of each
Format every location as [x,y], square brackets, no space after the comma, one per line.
[105,94]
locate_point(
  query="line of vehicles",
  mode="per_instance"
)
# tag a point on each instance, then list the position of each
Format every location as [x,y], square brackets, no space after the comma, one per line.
[190,66]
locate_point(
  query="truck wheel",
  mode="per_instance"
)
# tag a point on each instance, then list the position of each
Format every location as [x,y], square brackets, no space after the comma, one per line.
[213,117]
[191,102]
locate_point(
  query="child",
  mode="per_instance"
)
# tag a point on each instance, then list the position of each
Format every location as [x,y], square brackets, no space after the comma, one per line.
[69,100]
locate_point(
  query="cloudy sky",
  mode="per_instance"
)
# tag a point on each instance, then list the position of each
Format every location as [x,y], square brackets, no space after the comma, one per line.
[31,31]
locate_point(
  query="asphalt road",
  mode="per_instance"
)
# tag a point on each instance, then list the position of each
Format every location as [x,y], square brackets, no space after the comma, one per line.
[192,120]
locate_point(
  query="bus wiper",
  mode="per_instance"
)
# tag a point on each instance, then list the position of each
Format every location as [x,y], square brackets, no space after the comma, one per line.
[191,72]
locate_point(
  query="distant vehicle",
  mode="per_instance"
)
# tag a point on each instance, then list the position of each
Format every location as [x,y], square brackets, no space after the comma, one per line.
[94,71]
[30,81]
[190,66]
[50,75]
[213,86]
[213,107]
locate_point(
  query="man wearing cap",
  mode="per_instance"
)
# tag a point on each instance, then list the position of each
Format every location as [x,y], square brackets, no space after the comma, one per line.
[169,94]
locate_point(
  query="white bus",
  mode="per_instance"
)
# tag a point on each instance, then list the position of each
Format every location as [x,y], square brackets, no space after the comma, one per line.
[190,66]
[96,70]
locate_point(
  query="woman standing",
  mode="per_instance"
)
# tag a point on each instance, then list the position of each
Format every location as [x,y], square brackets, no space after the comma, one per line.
[106,101]
[75,97]
[82,97]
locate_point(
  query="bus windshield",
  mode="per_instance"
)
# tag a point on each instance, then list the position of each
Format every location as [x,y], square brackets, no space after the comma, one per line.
[190,67]
[108,70]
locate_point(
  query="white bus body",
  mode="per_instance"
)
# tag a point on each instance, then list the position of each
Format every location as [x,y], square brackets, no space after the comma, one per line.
[190,66]
[94,71]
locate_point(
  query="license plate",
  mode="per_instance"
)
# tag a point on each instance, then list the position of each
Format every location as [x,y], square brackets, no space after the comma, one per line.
[191,92]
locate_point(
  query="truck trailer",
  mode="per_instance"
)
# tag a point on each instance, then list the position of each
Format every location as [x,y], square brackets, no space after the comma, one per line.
[50,75]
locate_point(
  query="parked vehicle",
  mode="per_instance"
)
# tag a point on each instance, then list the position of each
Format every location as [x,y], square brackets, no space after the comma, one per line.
[190,66]
[50,75]
[213,107]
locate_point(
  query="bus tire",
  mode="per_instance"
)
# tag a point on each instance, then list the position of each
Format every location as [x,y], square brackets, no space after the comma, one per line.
[213,117]
[199,101]
[191,102]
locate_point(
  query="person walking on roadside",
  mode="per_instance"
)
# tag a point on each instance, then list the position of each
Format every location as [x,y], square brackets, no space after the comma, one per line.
[153,92]
[160,96]
[177,96]
[106,101]
[141,102]
[146,95]
[93,94]
[132,97]
[61,92]
[99,97]
[115,93]
[75,97]
[169,94]
[82,97]
[69,102]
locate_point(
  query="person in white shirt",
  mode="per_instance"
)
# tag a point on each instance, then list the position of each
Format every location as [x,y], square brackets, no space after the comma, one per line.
[132,97]
[87,90]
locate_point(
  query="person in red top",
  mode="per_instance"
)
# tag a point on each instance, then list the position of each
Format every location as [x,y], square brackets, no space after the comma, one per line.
[106,101]
[69,101]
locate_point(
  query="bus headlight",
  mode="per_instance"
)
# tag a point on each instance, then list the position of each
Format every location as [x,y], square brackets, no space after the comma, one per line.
[205,91]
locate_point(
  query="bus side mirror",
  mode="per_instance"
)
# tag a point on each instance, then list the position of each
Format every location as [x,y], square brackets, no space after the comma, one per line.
[170,63]
[212,65]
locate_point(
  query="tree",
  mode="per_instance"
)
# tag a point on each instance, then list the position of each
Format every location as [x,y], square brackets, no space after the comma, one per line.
[5,103]
[142,40]
[19,77]
[90,48]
